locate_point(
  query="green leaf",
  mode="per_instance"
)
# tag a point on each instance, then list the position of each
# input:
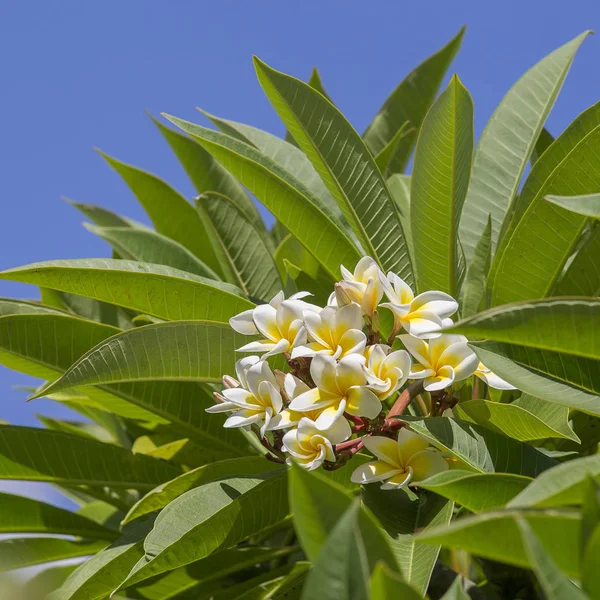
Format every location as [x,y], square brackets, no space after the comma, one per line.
[341,570]
[181,350]
[590,511]
[151,247]
[152,289]
[249,256]
[565,484]
[216,574]
[286,197]
[525,369]
[438,187]
[46,581]
[27,552]
[555,338]
[26,515]
[582,274]
[100,575]
[590,575]
[166,492]
[556,586]
[170,212]
[289,158]
[544,141]
[496,535]
[320,286]
[345,165]
[316,503]
[386,155]
[386,584]
[456,591]
[93,310]
[214,516]
[553,415]
[512,420]
[29,454]
[473,288]
[104,217]
[399,186]
[482,449]
[206,174]
[410,102]
[507,143]
[11,306]
[587,205]
[532,255]
[410,514]
[477,492]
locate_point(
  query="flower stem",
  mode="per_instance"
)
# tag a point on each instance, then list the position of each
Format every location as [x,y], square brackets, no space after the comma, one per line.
[404,399]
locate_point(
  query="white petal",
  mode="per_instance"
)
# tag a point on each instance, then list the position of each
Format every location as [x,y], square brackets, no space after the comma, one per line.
[384,448]
[339,431]
[310,400]
[258,346]
[418,348]
[362,402]
[236,420]
[293,386]
[240,397]
[323,373]
[265,319]
[422,324]
[278,348]
[439,303]
[243,323]
[440,381]
[242,366]
[257,373]
[461,358]
[327,419]
[222,407]
[494,381]
[371,472]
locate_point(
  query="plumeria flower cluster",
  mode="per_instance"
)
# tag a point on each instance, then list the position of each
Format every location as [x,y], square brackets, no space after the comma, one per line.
[345,384]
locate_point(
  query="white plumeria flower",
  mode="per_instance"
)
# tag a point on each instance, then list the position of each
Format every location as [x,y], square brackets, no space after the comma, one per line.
[364,285]
[422,316]
[334,331]
[492,379]
[280,322]
[386,371]
[408,460]
[340,388]
[256,404]
[309,446]
[442,360]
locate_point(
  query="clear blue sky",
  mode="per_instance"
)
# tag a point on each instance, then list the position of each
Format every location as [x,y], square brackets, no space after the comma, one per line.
[80,74]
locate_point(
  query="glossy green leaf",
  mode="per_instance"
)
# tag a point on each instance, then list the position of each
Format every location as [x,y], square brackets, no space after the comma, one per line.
[317,503]
[477,492]
[166,492]
[555,338]
[544,141]
[152,289]
[553,415]
[438,188]
[100,575]
[170,212]
[341,570]
[511,419]
[11,306]
[213,576]
[345,165]
[46,581]
[527,369]
[286,197]
[532,255]
[214,516]
[590,575]
[29,551]
[386,584]
[410,514]
[206,174]
[288,157]
[482,449]
[103,217]
[385,157]
[30,454]
[249,256]
[496,535]
[582,273]
[410,102]
[587,205]
[26,515]
[181,350]
[508,141]
[474,284]
[555,584]
[456,591]
[565,484]
[148,246]
[399,186]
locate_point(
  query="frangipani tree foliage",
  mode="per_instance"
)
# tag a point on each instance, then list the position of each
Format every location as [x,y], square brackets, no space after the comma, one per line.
[394,392]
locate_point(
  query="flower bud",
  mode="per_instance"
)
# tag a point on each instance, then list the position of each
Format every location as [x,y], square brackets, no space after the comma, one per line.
[229,382]
[341,295]
[219,397]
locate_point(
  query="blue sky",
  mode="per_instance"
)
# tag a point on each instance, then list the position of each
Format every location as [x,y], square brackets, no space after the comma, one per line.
[80,74]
